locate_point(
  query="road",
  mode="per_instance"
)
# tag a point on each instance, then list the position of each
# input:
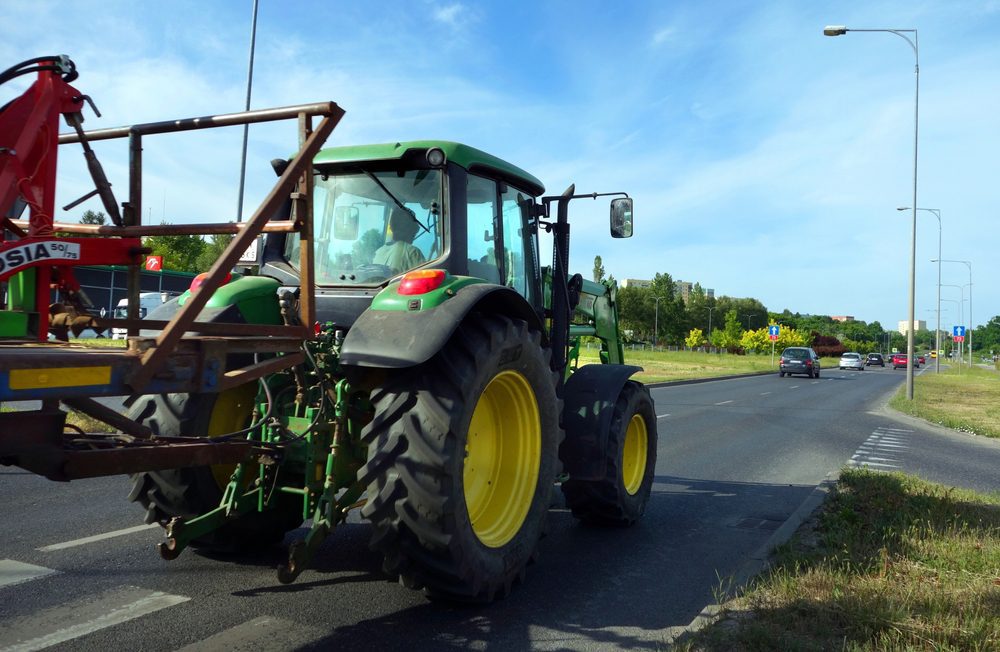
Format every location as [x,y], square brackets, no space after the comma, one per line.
[736,459]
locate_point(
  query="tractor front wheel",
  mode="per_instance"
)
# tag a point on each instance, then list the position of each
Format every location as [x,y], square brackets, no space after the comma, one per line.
[462,458]
[630,462]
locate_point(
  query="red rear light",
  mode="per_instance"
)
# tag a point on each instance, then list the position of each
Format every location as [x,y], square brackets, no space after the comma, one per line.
[200,279]
[421,281]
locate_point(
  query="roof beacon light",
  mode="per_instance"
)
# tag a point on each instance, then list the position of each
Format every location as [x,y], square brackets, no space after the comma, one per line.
[421,281]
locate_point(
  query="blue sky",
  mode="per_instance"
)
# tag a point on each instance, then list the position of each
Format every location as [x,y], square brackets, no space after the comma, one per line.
[765,159]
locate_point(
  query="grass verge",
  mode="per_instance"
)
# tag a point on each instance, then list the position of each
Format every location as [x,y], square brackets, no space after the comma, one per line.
[662,366]
[890,562]
[968,400]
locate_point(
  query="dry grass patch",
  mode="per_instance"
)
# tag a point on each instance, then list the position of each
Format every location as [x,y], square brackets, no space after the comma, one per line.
[661,366]
[968,401]
[890,563]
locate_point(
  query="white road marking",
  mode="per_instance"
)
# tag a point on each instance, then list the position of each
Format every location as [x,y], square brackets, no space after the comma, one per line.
[82,617]
[14,572]
[97,537]
[794,387]
[764,393]
[662,416]
[876,464]
[723,402]
[260,634]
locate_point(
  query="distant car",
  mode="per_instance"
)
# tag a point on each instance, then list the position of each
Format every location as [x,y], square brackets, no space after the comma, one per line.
[875,359]
[921,360]
[852,360]
[799,360]
[898,360]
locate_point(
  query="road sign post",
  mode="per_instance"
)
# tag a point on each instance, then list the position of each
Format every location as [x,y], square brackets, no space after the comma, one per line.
[773,331]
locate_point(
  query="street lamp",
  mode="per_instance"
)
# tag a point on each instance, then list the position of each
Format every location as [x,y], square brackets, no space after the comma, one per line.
[968,264]
[656,319]
[840,30]
[936,212]
[749,317]
[710,309]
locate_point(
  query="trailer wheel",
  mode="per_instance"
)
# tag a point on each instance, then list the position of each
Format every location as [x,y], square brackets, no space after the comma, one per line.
[462,458]
[620,498]
[192,491]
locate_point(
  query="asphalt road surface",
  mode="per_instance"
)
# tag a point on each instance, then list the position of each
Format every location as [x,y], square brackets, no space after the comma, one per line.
[736,459]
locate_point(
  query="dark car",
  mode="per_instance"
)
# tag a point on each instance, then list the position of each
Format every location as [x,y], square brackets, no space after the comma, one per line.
[898,360]
[874,359]
[799,360]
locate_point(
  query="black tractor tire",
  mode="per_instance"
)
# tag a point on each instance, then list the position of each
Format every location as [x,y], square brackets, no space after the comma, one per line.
[619,499]
[462,460]
[192,491]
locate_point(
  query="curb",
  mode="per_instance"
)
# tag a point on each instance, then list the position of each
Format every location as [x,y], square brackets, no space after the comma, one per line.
[695,381]
[759,560]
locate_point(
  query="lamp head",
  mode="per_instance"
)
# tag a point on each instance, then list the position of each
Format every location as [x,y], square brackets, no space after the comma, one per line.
[834,30]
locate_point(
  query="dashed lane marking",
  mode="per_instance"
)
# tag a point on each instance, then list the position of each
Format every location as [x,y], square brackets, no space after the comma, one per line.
[97,537]
[723,402]
[15,572]
[662,416]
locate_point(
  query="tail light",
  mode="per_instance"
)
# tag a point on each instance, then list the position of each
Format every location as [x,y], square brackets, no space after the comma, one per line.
[421,281]
[199,280]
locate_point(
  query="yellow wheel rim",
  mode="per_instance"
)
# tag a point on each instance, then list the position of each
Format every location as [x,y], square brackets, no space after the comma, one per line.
[230,413]
[634,454]
[502,458]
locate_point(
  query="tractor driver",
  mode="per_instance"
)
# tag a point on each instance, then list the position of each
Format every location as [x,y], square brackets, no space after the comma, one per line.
[400,254]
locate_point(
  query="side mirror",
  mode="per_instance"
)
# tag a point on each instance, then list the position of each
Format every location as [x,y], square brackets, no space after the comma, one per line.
[621,217]
[345,223]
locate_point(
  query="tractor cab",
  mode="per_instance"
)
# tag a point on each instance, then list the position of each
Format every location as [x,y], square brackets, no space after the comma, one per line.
[380,211]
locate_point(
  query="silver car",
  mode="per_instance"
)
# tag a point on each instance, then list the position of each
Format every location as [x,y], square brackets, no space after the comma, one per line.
[852,361]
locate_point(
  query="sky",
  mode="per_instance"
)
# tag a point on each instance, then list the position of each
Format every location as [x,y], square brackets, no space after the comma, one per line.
[765,159]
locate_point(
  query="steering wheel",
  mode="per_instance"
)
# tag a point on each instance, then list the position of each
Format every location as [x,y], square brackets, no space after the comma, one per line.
[373,272]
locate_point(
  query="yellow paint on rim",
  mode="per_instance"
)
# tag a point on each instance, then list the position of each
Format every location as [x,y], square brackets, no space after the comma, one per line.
[230,413]
[502,458]
[59,377]
[634,454]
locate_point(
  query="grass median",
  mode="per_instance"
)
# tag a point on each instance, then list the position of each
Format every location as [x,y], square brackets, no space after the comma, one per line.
[662,366]
[966,399]
[890,562]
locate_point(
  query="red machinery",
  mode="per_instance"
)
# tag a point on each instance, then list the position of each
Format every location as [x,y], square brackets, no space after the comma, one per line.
[37,260]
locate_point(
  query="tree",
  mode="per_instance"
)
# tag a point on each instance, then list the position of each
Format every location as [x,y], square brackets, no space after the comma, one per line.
[695,338]
[598,269]
[180,252]
[216,244]
[90,217]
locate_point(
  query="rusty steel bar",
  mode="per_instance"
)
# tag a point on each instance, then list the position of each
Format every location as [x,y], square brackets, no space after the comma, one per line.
[238,377]
[115,461]
[209,328]
[133,217]
[182,321]
[328,109]
[303,217]
[92,408]
[214,228]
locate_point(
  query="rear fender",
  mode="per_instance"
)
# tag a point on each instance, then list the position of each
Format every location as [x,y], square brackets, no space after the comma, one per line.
[397,339]
[589,402]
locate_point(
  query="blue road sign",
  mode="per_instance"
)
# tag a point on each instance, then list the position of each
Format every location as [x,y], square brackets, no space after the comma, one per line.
[774,330]
[958,331]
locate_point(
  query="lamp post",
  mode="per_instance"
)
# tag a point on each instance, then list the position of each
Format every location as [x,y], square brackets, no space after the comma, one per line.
[967,263]
[749,324]
[961,312]
[710,309]
[936,212]
[656,319]
[840,30]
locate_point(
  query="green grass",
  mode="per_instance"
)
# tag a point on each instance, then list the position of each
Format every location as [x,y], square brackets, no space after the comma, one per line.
[661,366]
[966,399]
[890,562]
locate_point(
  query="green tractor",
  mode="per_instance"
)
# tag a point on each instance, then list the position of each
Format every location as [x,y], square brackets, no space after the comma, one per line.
[441,394]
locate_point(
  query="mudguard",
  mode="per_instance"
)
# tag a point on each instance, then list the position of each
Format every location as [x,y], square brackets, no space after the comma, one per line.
[396,339]
[589,402]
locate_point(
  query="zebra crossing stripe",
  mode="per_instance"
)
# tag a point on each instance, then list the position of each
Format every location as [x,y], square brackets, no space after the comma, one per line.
[15,572]
[82,617]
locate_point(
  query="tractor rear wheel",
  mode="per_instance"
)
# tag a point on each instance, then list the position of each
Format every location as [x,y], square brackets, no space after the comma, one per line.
[192,491]
[630,462]
[462,458]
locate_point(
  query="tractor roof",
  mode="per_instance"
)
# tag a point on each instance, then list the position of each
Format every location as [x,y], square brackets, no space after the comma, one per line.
[469,158]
